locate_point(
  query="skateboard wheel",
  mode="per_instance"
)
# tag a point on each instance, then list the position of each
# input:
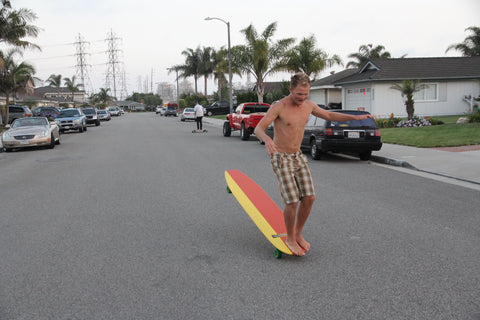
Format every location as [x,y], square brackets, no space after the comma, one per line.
[228,190]
[277,254]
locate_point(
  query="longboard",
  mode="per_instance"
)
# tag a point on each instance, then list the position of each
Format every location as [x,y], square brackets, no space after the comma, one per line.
[261,208]
[200,131]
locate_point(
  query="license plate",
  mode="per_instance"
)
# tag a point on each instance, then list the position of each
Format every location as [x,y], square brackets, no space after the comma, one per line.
[353,134]
[67,127]
[24,142]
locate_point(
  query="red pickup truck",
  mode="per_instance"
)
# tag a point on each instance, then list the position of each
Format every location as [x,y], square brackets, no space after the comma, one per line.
[246,117]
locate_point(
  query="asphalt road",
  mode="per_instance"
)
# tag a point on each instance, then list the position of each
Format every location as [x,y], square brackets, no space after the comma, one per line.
[131,220]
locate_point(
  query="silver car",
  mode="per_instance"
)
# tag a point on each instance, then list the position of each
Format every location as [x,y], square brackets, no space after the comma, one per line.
[31,132]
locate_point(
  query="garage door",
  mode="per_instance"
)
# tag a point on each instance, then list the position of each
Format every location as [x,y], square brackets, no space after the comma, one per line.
[359,99]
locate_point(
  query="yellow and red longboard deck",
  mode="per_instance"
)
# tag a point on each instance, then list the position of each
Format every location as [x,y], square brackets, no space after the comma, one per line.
[260,207]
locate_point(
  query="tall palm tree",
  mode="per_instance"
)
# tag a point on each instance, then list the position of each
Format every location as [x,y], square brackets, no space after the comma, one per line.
[72,86]
[261,56]
[13,76]
[407,89]
[305,57]
[206,63]
[470,47]
[367,52]
[220,70]
[55,80]
[192,64]
[15,25]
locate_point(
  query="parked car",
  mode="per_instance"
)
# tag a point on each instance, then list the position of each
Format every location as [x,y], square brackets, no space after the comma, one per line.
[171,110]
[359,137]
[71,119]
[188,114]
[114,111]
[16,112]
[47,111]
[158,109]
[163,110]
[218,107]
[31,132]
[103,115]
[92,116]
[246,117]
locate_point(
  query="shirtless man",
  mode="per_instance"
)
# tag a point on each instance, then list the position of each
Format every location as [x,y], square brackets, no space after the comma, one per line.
[289,117]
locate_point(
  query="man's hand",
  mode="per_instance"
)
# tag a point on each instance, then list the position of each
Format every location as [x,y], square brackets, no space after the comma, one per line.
[364,116]
[270,146]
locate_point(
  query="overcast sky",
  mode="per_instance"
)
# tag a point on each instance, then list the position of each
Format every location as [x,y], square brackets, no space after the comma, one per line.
[152,34]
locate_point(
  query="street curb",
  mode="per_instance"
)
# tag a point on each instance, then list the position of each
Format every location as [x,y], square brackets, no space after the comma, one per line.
[392,162]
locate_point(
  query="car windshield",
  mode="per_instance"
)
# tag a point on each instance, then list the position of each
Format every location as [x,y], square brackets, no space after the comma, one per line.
[29,122]
[68,113]
[255,108]
[89,111]
[101,111]
[369,122]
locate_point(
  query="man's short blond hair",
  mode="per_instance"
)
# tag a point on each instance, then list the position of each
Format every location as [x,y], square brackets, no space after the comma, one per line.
[299,79]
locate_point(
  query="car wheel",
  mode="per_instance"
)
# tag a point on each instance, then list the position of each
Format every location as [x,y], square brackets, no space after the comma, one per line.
[364,156]
[227,130]
[85,128]
[8,149]
[80,129]
[314,152]
[52,142]
[209,113]
[97,123]
[244,135]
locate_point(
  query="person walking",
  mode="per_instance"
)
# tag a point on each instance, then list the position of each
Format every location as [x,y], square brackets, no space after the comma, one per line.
[198,115]
[289,117]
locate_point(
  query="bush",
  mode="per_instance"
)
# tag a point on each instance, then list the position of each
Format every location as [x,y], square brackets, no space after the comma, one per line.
[389,122]
[415,122]
[474,117]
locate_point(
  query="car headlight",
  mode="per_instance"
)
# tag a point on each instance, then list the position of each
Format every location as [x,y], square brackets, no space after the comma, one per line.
[7,136]
[43,134]
[77,121]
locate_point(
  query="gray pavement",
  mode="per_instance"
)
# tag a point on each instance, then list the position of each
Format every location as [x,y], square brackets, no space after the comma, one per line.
[462,166]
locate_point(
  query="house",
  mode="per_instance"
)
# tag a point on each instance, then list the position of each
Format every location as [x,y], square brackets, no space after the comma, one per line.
[449,80]
[60,95]
[324,91]
[130,105]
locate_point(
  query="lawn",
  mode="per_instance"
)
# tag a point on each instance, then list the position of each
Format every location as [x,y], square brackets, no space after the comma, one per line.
[449,134]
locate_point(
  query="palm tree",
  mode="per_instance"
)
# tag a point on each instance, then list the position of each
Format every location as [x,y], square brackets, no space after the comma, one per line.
[207,63]
[408,88]
[220,70]
[55,80]
[470,47]
[367,52]
[192,64]
[72,86]
[13,76]
[260,56]
[15,25]
[103,97]
[305,57]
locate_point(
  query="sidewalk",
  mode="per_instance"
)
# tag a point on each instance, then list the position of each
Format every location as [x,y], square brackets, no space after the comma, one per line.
[460,163]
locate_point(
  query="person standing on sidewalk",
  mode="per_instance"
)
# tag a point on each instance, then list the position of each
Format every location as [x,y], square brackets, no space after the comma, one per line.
[198,115]
[289,117]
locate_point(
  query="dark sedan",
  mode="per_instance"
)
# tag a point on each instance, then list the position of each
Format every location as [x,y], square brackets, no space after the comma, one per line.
[359,137]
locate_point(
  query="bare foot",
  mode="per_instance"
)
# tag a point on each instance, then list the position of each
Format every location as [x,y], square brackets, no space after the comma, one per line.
[302,243]
[295,248]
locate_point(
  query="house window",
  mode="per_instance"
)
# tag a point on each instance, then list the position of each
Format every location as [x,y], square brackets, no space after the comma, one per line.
[429,93]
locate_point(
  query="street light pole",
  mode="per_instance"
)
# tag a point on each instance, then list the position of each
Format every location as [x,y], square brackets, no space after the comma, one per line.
[230,87]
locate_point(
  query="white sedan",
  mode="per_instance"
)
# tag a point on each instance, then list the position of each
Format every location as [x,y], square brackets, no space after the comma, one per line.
[188,114]
[31,132]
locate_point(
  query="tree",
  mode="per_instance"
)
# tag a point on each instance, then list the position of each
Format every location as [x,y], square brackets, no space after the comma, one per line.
[367,52]
[55,80]
[13,76]
[261,56]
[407,89]
[470,47]
[206,63]
[305,57]
[220,70]
[73,86]
[192,64]
[101,98]
[15,26]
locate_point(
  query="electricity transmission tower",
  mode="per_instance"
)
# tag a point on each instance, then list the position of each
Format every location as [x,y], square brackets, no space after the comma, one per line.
[115,77]
[81,65]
